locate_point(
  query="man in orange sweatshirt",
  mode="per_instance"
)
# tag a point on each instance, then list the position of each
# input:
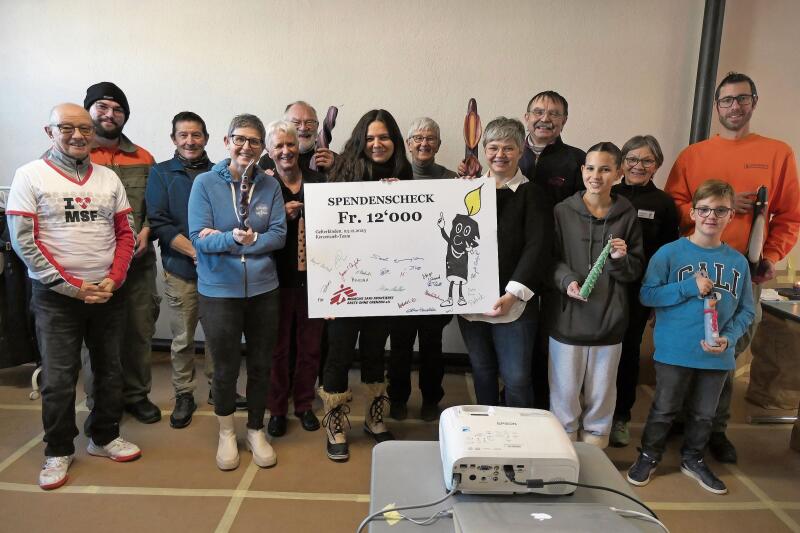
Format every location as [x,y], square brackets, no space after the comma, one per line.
[746,161]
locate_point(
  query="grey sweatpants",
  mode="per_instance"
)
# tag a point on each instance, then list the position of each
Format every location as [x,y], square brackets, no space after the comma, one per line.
[592,370]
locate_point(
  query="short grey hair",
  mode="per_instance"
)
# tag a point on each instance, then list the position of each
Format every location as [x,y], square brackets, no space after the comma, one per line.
[302,103]
[642,141]
[423,123]
[246,120]
[503,128]
[280,126]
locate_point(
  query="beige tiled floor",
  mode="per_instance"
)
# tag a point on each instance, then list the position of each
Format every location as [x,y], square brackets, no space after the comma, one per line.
[176,486]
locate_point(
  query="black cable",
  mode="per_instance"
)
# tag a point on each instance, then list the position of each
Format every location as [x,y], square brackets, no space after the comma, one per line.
[540,483]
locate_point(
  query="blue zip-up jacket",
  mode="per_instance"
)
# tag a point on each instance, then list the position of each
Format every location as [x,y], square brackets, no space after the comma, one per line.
[226,269]
[167,199]
[669,287]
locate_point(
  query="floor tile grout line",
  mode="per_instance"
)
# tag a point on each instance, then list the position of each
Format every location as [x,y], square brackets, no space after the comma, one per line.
[236,500]
[22,450]
[764,497]
[183,492]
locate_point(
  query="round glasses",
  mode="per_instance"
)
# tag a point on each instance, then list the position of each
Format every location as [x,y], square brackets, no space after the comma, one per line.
[646,163]
[719,212]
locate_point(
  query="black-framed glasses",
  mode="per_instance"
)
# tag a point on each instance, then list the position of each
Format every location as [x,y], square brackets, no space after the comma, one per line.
[741,99]
[719,212]
[419,139]
[646,163]
[69,129]
[306,123]
[103,109]
[239,140]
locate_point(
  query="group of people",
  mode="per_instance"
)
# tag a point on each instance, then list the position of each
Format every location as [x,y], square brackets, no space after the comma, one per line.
[232,237]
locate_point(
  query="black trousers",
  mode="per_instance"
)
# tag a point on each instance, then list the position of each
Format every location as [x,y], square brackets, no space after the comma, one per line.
[403,330]
[371,334]
[224,321]
[628,373]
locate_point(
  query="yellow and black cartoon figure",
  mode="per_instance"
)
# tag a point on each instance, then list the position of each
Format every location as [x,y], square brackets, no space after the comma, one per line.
[463,239]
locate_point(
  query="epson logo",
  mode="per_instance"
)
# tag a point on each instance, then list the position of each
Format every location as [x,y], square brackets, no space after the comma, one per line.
[506,423]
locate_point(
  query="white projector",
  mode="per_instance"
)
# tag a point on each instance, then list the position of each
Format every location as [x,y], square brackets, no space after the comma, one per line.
[482,443]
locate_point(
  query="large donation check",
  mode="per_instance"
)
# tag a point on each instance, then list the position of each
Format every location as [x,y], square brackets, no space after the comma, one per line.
[401,248]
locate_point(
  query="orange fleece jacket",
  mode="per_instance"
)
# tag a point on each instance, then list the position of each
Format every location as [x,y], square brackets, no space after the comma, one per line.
[746,164]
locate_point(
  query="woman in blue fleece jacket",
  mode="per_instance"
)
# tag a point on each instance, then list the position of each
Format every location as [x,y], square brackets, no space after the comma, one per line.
[238,282]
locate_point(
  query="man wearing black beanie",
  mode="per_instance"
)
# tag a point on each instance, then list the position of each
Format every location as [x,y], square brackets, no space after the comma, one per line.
[109,109]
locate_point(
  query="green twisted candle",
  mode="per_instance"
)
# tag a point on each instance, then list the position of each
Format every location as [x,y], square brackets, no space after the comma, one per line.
[594,273]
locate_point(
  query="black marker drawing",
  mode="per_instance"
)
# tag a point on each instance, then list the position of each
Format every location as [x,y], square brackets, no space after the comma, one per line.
[463,239]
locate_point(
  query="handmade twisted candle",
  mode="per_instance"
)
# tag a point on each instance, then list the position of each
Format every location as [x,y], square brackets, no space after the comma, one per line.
[594,273]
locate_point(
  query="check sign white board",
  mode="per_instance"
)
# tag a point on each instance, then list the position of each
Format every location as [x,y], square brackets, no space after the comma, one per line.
[401,248]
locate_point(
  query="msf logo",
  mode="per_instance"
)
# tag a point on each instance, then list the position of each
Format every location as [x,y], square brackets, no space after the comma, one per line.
[77,209]
[339,297]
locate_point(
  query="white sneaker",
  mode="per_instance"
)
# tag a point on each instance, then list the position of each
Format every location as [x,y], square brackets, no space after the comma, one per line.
[263,454]
[118,450]
[54,472]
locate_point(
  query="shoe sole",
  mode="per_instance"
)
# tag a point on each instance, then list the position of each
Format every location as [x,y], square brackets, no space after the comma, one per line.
[377,437]
[120,459]
[338,458]
[180,425]
[640,483]
[694,476]
[227,466]
[55,485]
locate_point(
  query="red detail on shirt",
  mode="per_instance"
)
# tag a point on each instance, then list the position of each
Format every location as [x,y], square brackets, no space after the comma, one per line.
[70,178]
[123,253]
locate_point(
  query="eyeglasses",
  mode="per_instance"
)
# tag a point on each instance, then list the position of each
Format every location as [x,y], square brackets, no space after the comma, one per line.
[103,109]
[742,99]
[69,129]
[420,138]
[539,113]
[719,212]
[633,161]
[306,123]
[239,140]
[505,150]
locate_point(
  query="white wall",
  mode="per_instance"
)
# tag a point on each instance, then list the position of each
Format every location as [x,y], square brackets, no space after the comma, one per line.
[626,66]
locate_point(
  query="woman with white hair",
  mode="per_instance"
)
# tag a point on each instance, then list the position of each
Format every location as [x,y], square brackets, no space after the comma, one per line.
[283,148]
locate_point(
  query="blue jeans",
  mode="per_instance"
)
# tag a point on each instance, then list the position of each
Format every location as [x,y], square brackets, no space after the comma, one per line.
[62,325]
[701,389]
[504,350]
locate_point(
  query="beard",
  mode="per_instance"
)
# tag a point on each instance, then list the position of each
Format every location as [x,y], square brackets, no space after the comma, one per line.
[107,134]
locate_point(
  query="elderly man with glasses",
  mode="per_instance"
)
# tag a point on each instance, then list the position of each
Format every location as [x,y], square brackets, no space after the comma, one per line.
[304,119]
[747,161]
[71,224]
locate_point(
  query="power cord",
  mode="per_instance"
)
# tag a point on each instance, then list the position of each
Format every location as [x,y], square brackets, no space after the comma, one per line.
[539,483]
[627,513]
[373,516]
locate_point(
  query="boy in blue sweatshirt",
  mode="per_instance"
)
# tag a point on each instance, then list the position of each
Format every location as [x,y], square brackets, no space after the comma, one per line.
[680,275]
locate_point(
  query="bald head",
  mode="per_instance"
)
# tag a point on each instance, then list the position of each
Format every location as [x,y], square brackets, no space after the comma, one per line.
[71,129]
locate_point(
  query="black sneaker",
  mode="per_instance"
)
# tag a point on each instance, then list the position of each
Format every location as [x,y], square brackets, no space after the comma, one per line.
[698,469]
[144,411]
[721,448]
[277,425]
[641,471]
[184,408]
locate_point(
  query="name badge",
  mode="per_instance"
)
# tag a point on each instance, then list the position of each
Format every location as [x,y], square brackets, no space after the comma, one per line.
[644,213]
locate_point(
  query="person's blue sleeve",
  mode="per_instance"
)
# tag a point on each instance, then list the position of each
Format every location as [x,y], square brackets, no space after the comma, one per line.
[658,291]
[162,224]
[200,217]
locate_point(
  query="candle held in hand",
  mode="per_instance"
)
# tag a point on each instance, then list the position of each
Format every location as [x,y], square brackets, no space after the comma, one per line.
[594,273]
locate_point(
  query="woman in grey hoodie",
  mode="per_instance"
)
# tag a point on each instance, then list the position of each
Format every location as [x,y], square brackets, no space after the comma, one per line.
[586,332]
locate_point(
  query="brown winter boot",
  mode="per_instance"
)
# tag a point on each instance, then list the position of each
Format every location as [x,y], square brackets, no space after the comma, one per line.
[336,411]
[376,403]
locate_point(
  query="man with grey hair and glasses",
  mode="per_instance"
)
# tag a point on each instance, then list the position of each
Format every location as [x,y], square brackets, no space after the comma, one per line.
[304,119]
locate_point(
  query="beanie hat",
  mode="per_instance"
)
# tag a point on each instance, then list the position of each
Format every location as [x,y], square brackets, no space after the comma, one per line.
[105,90]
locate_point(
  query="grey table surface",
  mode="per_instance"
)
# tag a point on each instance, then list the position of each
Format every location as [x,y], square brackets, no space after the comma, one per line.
[410,472]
